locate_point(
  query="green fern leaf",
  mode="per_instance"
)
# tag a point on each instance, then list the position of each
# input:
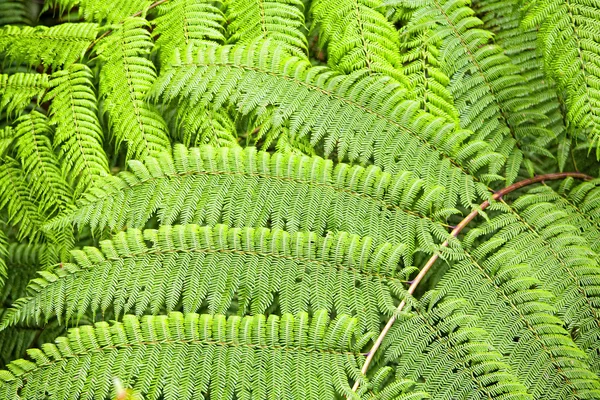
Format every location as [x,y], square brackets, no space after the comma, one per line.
[54,47]
[125,78]
[196,126]
[190,355]
[15,198]
[288,192]
[281,21]
[187,25]
[568,32]
[357,36]
[437,344]
[324,105]
[17,91]
[47,184]
[78,132]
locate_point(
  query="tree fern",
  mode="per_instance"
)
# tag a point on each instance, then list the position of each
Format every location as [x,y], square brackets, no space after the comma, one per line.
[298,199]
[54,47]
[125,78]
[240,356]
[78,130]
[280,21]
[568,33]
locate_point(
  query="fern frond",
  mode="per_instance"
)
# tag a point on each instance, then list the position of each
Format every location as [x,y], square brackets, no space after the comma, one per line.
[359,116]
[542,235]
[17,91]
[520,318]
[46,181]
[342,273]
[54,47]
[187,25]
[521,45]
[100,11]
[14,12]
[15,198]
[491,96]
[3,255]
[280,21]
[288,192]
[438,344]
[569,36]
[197,126]
[191,355]
[78,132]
[125,78]
[358,36]
[421,58]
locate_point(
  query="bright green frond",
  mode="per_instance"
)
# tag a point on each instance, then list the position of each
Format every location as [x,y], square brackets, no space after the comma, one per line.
[289,192]
[101,11]
[197,126]
[438,344]
[54,47]
[421,57]
[3,255]
[358,36]
[191,355]
[78,133]
[541,235]
[569,36]
[125,78]
[14,12]
[15,198]
[46,182]
[359,116]
[492,98]
[223,269]
[187,25]
[17,91]
[280,21]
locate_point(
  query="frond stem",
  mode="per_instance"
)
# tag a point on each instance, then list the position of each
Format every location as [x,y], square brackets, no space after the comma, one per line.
[454,234]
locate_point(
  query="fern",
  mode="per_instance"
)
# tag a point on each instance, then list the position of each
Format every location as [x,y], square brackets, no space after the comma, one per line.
[568,33]
[125,78]
[18,90]
[280,21]
[255,347]
[297,199]
[78,130]
[53,47]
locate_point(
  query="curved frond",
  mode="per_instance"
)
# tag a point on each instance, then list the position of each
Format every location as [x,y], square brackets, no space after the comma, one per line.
[492,98]
[358,36]
[361,117]
[53,47]
[78,132]
[17,91]
[15,198]
[212,267]
[197,126]
[569,35]
[125,78]
[541,235]
[186,25]
[280,21]
[46,181]
[438,344]
[190,355]
[289,192]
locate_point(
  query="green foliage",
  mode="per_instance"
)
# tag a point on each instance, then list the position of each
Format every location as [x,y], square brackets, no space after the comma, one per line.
[230,199]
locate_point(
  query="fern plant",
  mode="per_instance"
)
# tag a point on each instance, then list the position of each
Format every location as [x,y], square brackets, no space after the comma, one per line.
[299,199]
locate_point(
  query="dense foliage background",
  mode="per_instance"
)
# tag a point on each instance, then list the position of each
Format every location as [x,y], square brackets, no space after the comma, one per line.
[299,199]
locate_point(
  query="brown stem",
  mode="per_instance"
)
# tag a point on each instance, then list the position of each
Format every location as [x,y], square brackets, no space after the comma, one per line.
[455,232]
[137,14]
